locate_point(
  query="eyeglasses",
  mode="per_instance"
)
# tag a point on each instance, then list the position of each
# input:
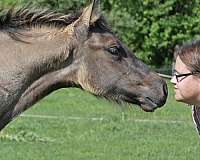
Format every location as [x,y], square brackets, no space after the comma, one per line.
[178,79]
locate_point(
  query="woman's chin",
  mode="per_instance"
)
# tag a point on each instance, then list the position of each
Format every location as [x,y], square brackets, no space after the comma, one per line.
[178,98]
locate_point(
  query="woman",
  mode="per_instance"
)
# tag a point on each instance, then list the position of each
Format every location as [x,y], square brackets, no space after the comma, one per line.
[186,79]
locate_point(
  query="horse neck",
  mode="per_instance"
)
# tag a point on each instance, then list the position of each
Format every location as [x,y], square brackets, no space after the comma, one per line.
[30,71]
[46,51]
[22,63]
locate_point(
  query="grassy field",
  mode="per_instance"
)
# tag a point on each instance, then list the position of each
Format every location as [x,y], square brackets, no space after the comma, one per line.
[73,125]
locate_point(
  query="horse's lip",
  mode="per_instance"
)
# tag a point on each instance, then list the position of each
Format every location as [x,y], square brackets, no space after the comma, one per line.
[147,104]
[147,108]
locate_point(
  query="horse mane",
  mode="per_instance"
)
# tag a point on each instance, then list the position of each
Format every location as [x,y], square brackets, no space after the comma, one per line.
[26,17]
[13,21]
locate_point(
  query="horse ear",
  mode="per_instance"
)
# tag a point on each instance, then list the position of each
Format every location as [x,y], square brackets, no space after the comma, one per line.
[90,14]
[96,11]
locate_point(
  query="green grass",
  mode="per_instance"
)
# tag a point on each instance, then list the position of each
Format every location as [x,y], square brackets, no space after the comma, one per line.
[115,137]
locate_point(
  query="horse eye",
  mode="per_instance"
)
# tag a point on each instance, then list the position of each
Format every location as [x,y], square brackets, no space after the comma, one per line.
[113,50]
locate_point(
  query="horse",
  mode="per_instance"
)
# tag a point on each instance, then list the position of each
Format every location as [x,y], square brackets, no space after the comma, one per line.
[43,50]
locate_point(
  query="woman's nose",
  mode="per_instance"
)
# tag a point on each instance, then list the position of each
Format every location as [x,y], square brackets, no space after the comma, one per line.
[173,80]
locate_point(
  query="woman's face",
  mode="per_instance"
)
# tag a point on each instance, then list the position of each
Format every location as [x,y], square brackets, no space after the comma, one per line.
[187,88]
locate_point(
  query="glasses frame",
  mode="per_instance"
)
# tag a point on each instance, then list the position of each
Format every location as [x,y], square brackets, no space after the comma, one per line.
[185,75]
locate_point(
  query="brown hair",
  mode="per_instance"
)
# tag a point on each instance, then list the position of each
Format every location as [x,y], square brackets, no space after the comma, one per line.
[189,53]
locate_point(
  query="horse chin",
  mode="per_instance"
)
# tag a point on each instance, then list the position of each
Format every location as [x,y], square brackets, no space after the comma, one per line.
[147,108]
[148,105]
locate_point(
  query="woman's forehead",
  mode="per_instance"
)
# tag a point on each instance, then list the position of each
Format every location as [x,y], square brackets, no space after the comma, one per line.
[180,67]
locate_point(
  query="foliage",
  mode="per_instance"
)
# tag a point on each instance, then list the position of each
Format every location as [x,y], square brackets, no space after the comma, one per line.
[150,28]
